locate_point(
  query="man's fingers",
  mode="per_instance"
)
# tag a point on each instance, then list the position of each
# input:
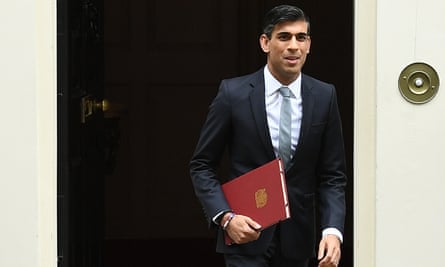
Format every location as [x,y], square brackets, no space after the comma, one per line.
[329,251]
[243,229]
[321,250]
[330,260]
[253,224]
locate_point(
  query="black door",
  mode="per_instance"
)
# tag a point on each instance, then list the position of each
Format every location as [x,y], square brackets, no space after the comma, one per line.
[81,142]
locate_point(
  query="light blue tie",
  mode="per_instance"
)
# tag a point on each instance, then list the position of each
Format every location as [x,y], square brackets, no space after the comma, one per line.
[284,146]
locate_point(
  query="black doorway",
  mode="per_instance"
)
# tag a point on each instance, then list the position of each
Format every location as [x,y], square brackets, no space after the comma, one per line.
[125,196]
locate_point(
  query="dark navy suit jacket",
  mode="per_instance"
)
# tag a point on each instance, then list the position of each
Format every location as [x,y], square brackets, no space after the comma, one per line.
[315,177]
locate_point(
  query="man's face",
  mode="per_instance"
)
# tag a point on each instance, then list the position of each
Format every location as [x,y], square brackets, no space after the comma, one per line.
[287,50]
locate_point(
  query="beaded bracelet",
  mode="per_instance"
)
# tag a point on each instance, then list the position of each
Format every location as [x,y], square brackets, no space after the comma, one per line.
[226,223]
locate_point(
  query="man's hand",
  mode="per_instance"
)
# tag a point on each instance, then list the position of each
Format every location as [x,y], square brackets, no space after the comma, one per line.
[243,229]
[329,251]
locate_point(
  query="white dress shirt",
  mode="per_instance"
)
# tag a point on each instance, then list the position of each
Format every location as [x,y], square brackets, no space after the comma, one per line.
[273,104]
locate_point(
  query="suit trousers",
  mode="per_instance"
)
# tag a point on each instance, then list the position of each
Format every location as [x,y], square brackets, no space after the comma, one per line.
[271,258]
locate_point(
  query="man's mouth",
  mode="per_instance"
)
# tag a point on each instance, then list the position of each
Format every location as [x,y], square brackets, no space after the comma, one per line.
[292,59]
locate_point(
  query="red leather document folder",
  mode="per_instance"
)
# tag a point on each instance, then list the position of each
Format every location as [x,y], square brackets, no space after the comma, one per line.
[260,194]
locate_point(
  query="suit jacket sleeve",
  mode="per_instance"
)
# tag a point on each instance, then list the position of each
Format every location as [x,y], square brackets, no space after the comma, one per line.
[331,171]
[208,153]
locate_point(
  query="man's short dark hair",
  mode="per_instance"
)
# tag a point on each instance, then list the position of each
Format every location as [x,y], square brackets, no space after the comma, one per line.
[280,14]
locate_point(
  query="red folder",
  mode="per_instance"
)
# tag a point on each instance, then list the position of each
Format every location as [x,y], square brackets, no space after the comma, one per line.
[260,194]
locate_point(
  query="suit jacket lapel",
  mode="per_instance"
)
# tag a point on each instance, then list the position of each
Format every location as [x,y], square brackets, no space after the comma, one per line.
[308,107]
[258,106]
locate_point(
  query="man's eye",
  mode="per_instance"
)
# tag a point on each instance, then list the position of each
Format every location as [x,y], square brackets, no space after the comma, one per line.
[283,37]
[302,37]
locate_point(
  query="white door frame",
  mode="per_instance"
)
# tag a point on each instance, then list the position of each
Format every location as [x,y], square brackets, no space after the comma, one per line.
[46,99]
[365,132]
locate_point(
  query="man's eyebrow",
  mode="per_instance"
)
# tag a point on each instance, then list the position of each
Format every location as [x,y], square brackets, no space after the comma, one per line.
[283,33]
[288,33]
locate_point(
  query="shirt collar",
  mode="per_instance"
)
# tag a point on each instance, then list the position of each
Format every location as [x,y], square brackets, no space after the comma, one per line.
[272,85]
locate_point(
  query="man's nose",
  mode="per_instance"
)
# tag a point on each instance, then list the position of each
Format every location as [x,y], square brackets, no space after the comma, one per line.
[293,43]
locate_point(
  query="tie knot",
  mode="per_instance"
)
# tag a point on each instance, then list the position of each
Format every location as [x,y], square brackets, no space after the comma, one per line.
[285,92]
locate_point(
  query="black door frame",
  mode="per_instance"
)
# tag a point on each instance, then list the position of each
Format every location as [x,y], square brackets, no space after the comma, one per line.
[80,146]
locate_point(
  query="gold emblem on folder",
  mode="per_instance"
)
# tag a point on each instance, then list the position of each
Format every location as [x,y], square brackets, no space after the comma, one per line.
[261,197]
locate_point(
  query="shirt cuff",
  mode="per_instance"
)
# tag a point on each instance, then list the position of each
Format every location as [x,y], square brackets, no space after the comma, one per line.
[216,219]
[333,231]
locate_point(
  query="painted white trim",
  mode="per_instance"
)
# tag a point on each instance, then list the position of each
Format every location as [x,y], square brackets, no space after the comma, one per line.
[365,74]
[46,102]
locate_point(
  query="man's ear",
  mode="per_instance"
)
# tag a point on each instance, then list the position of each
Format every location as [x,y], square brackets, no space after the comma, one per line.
[308,46]
[264,43]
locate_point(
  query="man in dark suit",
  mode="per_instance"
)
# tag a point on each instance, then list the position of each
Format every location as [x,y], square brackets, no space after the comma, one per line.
[245,118]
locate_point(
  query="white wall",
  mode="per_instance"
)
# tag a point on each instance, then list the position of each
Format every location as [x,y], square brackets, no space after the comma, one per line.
[28,134]
[405,216]
[410,138]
